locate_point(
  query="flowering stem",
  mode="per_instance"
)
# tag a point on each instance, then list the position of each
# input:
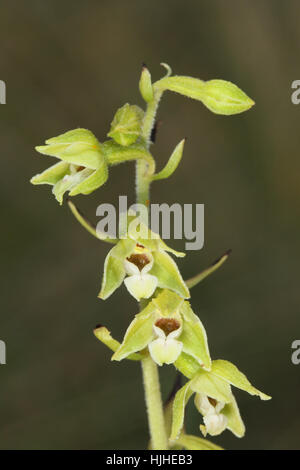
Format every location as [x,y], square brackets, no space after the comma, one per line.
[154,404]
[153,399]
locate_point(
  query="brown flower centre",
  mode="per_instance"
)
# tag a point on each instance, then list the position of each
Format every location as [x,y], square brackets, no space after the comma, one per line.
[212,401]
[139,259]
[167,325]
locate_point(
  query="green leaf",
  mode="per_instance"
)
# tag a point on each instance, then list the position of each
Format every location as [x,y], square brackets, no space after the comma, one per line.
[126,125]
[104,335]
[222,97]
[168,274]
[229,372]
[138,335]
[235,423]
[114,270]
[172,164]
[190,442]
[145,85]
[180,401]
[88,226]
[206,272]
[194,337]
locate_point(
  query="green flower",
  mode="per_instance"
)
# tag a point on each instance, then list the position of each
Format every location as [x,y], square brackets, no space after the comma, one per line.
[213,398]
[143,258]
[82,169]
[168,328]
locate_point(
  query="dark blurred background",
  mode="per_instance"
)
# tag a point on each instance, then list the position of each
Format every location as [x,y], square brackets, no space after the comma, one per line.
[72,63]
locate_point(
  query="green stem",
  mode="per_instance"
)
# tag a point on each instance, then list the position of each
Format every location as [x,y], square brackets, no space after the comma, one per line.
[153,399]
[154,405]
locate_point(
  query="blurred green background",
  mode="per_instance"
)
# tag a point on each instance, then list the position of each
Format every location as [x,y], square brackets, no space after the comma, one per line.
[72,63]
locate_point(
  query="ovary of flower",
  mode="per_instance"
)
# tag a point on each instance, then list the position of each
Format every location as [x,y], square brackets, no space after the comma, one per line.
[165,349]
[215,422]
[139,283]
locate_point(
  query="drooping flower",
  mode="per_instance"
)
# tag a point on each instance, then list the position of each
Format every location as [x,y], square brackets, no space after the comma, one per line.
[213,397]
[168,328]
[143,257]
[82,169]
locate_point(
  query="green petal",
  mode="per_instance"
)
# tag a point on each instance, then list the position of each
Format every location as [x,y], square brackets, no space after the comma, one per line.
[180,401]
[168,275]
[52,175]
[97,179]
[103,334]
[138,335]
[114,271]
[194,337]
[69,182]
[190,442]
[229,372]
[83,155]
[235,422]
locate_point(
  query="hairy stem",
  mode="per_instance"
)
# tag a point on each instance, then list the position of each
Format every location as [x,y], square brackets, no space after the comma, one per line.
[154,405]
[153,399]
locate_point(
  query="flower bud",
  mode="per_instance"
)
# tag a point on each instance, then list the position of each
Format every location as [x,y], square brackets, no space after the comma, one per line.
[222,97]
[126,125]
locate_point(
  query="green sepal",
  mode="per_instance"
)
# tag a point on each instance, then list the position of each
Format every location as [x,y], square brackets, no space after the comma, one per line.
[222,97]
[145,85]
[208,384]
[52,175]
[104,335]
[139,333]
[235,423]
[206,272]
[194,337]
[229,372]
[114,270]
[180,401]
[172,163]
[78,147]
[88,226]
[126,125]
[168,303]
[76,135]
[168,274]
[92,182]
[187,365]
[190,442]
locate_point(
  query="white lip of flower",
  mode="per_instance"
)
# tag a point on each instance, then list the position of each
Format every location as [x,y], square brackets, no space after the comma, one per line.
[166,348]
[215,422]
[139,283]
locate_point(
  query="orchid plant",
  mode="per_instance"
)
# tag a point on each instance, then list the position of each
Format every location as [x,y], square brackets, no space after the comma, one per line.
[166,330]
